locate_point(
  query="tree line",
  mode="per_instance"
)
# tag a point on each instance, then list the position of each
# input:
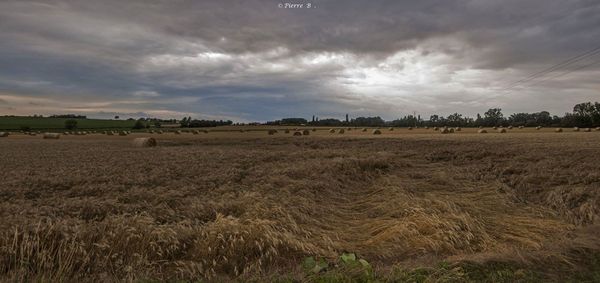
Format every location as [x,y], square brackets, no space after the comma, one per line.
[585,114]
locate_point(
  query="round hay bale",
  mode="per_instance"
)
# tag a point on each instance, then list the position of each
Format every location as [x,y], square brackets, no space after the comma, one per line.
[341,131]
[195,132]
[178,132]
[510,127]
[51,136]
[436,128]
[110,133]
[32,134]
[332,131]
[445,131]
[272,132]
[314,129]
[597,128]
[349,129]
[241,131]
[160,132]
[451,130]
[558,130]
[410,128]
[296,133]
[502,131]
[391,129]
[287,131]
[495,128]
[364,129]
[376,132]
[144,142]
[576,129]
[482,131]
[66,133]
[3,134]
[426,127]
[521,127]
[538,128]
[458,129]
[305,132]
[122,133]
[587,130]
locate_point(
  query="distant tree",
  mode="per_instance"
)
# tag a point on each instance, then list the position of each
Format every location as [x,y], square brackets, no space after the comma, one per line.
[70,124]
[139,124]
[493,117]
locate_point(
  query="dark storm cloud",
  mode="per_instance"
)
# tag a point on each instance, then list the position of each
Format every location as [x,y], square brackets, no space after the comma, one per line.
[252,60]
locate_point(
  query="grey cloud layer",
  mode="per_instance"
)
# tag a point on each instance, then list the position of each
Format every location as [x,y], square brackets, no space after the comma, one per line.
[250,60]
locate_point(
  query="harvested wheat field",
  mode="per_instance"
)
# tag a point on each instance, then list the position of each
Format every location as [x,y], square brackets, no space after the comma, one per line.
[232,206]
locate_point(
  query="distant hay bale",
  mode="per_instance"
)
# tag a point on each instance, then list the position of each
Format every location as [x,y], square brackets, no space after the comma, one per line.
[458,129]
[495,128]
[426,127]
[445,130]
[502,131]
[451,130]
[558,130]
[364,129]
[341,131]
[272,132]
[597,128]
[110,133]
[287,131]
[391,129]
[436,128]
[195,132]
[122,133]
[160,132]
[410,128]
[241,131]
[332,131]
[144,142]
[151,131]
[314,129]
[482,131]
[296,133]
[51,136]
[510,127]
[587,130]
[521,127]
[66,133]
[32,134]
[576,129]
[349,129]
[3,134]
[178,132]
[305,132]
[538,128]
[376,132]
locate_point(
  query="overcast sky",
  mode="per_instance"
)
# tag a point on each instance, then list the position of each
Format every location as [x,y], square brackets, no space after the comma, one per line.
[254,61]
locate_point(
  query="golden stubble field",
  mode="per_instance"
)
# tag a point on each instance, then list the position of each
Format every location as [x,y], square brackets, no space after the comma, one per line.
[227,205]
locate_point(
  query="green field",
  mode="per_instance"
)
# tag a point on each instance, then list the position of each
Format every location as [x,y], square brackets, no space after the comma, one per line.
[39,123]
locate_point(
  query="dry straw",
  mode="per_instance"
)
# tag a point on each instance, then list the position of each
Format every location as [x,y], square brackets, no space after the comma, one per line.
[52,136]
[144,142]
[482,131]
[376,132]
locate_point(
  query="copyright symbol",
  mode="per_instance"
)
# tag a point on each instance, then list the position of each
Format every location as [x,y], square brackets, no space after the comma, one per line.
[280,5]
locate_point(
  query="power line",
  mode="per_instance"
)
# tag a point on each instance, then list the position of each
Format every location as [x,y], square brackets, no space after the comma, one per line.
[555,67]
[567,72]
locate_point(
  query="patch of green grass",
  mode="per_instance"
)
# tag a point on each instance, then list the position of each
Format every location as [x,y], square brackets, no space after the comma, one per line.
[39,123]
